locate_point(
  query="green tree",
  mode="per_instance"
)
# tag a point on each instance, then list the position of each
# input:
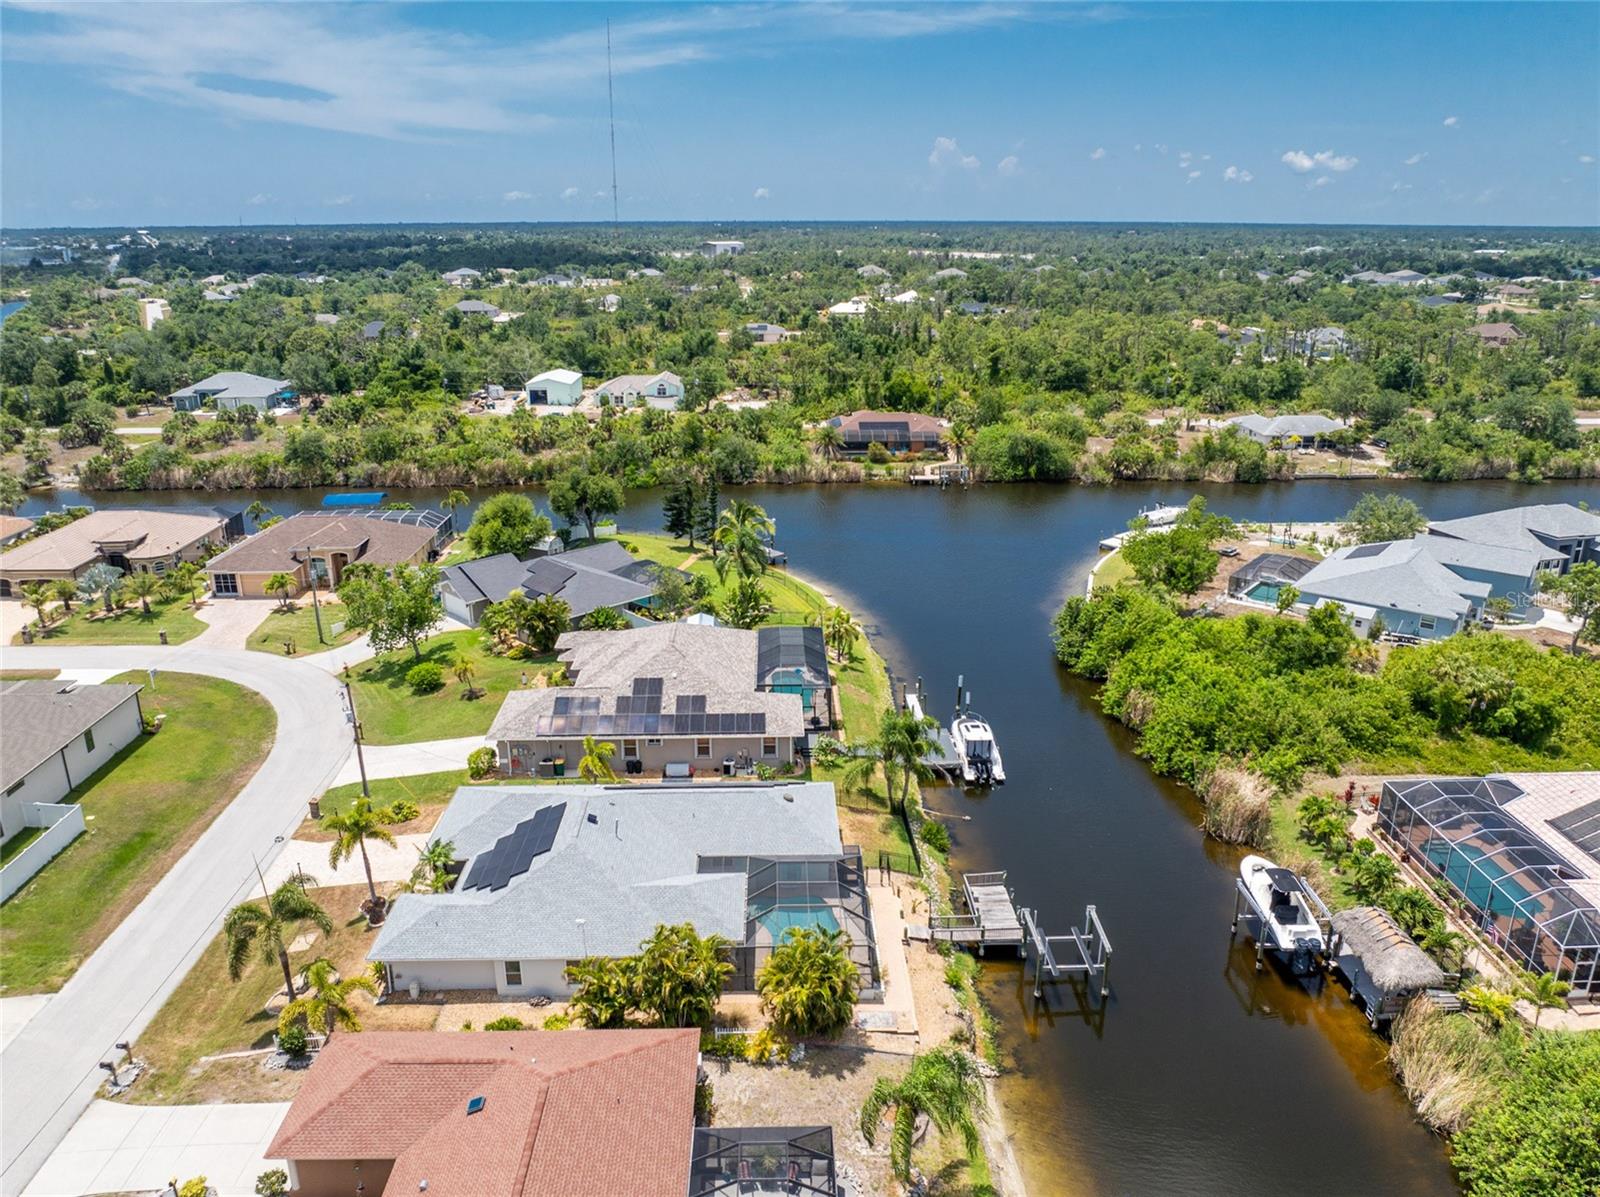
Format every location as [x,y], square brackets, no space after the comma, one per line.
[434,872]
[808,985]
[679,975]
[263,931]
[1580,587]
[280,584]
[466,672]
[745,605]
[677,508]
[327,999]
[544,620]
[828,440]
[1288,596]
[394,609]
[943,1084]
[901,748]
[584,496]
[352,829]
[1544,991]
[1382,517]
[258,511]
[144,587]
[98,581]
[11,492]
[39,596]
[64,590]
[605,619]
[454,501]
[603,992]
[839,631]
[595,764]
[507,523]
[743,533]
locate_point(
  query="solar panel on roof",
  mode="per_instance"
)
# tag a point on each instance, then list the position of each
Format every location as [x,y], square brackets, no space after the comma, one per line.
[514,853]
[1582,827]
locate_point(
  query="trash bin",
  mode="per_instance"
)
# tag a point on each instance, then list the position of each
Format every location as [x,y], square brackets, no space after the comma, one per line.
[560,766]
[728,766]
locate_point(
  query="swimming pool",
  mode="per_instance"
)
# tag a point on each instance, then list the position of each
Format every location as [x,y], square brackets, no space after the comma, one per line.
[1264,592]
[810,913]
[1456,862]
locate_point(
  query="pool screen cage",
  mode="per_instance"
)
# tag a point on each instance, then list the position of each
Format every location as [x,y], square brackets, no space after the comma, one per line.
[762,1159]
[1516,887]
[1278,568]
[820,891]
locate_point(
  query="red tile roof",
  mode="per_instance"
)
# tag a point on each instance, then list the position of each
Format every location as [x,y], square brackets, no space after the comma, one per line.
[566,1113]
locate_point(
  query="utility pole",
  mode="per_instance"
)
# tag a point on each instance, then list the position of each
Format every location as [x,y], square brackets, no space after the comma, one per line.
[316,610]
[611,112]
[355,727]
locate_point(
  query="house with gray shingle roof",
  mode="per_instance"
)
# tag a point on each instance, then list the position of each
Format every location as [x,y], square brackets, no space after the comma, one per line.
[552,874]
[586,579]
[1560,535]
[1399,582]
[1274,431]
[235,389]
[57,735]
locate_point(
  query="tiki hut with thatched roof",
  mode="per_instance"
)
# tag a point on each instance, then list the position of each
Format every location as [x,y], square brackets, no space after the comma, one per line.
[1383,964]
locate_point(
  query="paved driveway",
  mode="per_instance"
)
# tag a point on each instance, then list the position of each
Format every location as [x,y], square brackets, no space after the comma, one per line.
[408,760]
[229,622]
[117,1148]
[49,1072]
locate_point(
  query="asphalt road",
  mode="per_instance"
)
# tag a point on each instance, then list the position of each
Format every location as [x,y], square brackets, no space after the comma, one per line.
[49,1072]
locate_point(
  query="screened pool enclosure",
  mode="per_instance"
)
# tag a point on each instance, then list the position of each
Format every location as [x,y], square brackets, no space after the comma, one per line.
[1518,888]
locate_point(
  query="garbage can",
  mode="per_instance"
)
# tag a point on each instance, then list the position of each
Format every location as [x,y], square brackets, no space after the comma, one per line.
[728,766]
[560,766]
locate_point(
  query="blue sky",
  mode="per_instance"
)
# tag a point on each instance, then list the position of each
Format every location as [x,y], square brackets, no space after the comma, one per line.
[154,114]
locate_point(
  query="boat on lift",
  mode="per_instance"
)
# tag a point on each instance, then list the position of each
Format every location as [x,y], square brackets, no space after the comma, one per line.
[1287,909]
[974,743]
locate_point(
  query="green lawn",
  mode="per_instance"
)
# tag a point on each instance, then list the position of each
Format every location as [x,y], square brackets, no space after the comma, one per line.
[427,790]
[91,625]
[792,601]
[392,714]
[143,810]
[19,675]
[1114,570]
[298,625]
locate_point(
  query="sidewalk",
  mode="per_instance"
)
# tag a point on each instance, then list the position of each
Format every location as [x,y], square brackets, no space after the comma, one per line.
[408,760]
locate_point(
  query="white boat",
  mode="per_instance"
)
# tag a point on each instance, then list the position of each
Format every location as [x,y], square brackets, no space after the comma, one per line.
[1287,909]
[976,750]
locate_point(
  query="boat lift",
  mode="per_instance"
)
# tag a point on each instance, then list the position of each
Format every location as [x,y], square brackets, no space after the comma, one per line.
[1247,908]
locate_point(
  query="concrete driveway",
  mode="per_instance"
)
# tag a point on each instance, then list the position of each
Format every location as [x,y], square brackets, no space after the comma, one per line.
[117,1148]
[229,622]
[49,1072]
[408,760]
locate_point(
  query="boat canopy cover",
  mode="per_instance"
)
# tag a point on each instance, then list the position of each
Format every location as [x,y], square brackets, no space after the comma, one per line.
[368,498]
[1284,880]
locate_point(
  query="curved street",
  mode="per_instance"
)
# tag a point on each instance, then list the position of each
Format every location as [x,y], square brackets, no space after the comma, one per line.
[49,1071]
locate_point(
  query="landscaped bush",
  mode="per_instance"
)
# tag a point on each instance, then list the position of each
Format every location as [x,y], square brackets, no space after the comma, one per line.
[506,1022]
[935,834]
[402,810]
[556,1022]
[274,1182]
[481,762]
[808,985]
[425,678]
[292,1041]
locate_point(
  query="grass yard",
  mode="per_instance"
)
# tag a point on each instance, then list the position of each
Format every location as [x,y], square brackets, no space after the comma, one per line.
[299,625]
[23,675]
[793,601]
[143,809]
[91,625]
[392,714]
[1114,571]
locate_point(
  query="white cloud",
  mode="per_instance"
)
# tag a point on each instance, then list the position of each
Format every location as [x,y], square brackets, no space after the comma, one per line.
[340,201]
[512,197]
[947,153]
[259,198]
[1138,148]
[1303,163]
[1450,122]
[1586,159]
[1319,181]
[1401,187]
[1234,175]
[1010,165]
[762,193]
[1195,174]
[570,193]
[1100,152]
[1416,158]
[1183,158]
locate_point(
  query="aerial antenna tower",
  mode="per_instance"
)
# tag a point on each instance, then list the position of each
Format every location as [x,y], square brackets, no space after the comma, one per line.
[611,111]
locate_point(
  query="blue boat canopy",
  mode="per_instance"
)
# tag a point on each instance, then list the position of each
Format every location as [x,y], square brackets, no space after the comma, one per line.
[361,498]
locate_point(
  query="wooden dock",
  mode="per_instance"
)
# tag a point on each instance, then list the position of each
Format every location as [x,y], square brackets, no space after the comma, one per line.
[943,757]
[992,916]
[941,475]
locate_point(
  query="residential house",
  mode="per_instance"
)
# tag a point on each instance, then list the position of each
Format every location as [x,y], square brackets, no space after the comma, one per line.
[947,274]
[464,276]
[663,391]
[1515,293]
[235,389]
[675,698]
[372,330]
[1496,336]
[905,297]
[555,388]
[1559,535]
[1399,582]
[871,271]
[13,526]
[326,319]
[1448,299]
[1292,430]
[529,1114]
[476,307]
[57,735]
[132,540]
[321,546]
[897,431]
[586,579]
[549,875]
[717,249]
[855,306]
[153,311]
[975,308]
[1323,344]
[554,280]
[768,334]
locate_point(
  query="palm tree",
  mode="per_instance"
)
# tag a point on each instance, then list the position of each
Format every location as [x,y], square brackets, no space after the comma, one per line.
[257,512]
[595,764]
[279,584]
[453,500]
[1375,875]
[809,983]
[97,581]
[466,672]
[38,596]
[959,436]
[64,590]
[902,747]
[839,631]
[263,929]
[435,869]
[828,438]
[352,829]
[743,532]
[1444,945]
[144,587]
[945,1085]
[327,999]
[1545,991]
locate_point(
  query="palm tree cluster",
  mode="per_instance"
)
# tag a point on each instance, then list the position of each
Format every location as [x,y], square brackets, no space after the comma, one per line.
[808,985]
[901,748]
[943,1084]
[263,930]
[675,980]
[326,999]
[839,631]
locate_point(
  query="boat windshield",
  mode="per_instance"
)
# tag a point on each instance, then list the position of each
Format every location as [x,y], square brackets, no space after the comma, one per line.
[1290,913]
[979,750]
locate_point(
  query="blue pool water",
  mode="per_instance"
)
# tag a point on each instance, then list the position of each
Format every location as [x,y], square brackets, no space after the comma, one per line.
[1456,863]
[814,915]
[1264,592]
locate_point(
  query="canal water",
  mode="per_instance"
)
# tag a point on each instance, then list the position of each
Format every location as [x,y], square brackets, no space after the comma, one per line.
[1198,1076]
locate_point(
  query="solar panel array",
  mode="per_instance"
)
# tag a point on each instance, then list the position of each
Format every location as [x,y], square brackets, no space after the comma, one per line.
[697,723]
[1582,827]
[514,852]
[1365,550]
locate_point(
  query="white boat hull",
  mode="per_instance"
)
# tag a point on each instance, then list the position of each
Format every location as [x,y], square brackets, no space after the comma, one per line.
[979,755]
[1288,923]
